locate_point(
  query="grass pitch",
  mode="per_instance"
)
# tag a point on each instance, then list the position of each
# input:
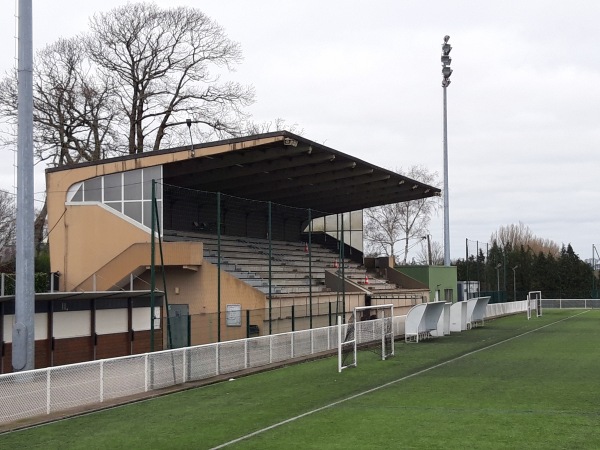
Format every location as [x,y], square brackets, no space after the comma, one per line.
[511,384]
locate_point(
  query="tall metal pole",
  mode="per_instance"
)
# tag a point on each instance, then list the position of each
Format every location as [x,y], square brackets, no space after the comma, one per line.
[23,336]
[446,194]
[446,72]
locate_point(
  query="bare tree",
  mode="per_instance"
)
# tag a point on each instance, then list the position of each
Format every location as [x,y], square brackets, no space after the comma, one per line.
[74,110]
[388,225]
[517,235]
[8,225]
[278,124]
[139,72]
[162,60]
[437,254]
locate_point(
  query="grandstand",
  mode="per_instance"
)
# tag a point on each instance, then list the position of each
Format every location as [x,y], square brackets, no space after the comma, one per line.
[255,224]
[247,260]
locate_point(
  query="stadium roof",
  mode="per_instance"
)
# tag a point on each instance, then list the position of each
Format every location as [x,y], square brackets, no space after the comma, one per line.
[287,169]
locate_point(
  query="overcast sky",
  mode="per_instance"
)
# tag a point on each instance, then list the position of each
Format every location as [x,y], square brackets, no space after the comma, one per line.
[364,78]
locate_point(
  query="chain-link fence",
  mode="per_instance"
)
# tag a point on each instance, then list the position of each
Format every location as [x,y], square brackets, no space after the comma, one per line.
[278,268]
[191,329]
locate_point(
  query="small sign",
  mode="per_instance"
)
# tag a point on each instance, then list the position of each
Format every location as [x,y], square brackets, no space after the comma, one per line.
[234,315]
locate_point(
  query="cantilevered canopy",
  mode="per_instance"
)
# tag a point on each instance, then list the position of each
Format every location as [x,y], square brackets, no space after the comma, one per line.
[293,171]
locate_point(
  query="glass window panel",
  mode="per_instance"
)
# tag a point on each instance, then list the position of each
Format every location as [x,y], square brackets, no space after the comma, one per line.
[357,240]
[92,190]
[114,205]
[357,220]
[132,185]
[151,173]
[318,225]
[112,187]
[133,210]
[78,196]
[148,213]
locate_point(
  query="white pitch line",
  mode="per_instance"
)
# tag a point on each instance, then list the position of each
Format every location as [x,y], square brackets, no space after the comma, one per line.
[360,394]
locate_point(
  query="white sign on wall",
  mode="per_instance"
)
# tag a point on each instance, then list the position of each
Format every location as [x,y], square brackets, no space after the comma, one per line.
[234,315]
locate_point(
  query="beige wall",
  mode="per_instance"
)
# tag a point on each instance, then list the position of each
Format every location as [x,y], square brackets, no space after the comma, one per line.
[198,289]
[82,240]
[102,243]
[93,236]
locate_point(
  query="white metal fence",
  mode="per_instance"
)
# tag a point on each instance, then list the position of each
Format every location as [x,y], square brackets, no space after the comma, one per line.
[54,389]
[503,309]
[589,303]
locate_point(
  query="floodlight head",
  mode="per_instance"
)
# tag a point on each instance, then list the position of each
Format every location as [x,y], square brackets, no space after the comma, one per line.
[188,122]
[446,60]
[446,71]
[446,38]
[446,48]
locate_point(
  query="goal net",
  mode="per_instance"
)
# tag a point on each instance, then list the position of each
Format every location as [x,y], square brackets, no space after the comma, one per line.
[534,303]
[369,327]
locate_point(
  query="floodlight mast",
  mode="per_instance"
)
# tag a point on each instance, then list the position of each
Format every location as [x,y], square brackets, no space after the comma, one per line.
[23,334]
[446,72]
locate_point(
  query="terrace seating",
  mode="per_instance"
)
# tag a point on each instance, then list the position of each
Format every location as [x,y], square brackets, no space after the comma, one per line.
[291,270]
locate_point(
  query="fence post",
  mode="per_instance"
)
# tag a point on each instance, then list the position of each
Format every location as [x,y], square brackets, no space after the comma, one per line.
[310,325]
[189,330]
[218,268]
[270,349]
[48,396]
[146,373]
[101,381]
[247,323]
[293,319]
[270,269]
[217,358]
[185,371]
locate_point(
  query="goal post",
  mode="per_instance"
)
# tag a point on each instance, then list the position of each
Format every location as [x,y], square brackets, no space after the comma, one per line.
[534,303]
[369,327]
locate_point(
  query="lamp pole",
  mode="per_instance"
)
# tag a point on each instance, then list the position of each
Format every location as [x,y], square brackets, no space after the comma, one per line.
[446,72]
[514,269]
